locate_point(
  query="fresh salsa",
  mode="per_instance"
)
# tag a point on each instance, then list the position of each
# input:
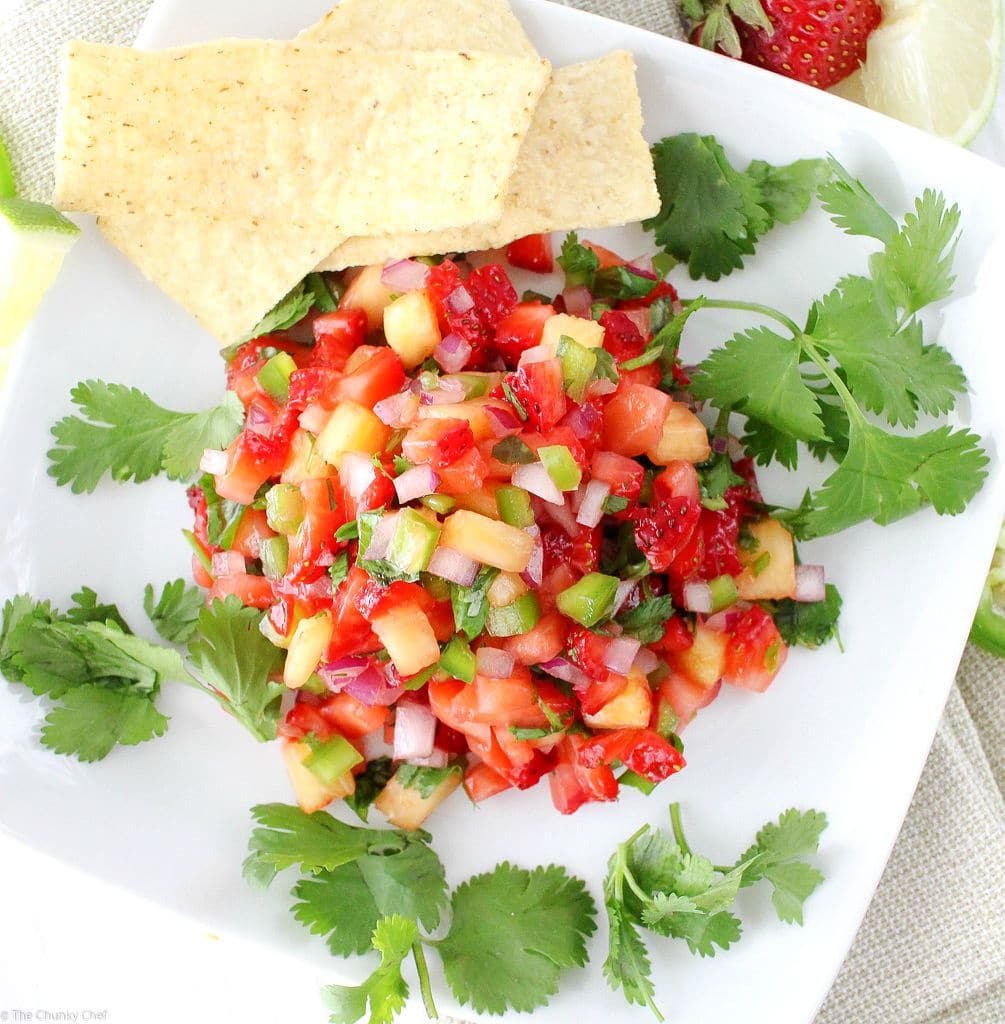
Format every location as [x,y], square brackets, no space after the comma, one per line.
[491,533]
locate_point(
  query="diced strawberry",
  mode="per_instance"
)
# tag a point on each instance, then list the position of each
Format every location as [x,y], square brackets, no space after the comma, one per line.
[337,335]
[538,388]
[494,295]
[521,330]
[621,336]
[755,652]
[438,442]
[662,531]
[642,750]
[534,252]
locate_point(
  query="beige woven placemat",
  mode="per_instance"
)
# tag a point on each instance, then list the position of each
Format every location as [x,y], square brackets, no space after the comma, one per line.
[932,947]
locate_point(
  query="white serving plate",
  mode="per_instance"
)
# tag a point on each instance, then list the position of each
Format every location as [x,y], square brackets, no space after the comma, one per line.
[845,733]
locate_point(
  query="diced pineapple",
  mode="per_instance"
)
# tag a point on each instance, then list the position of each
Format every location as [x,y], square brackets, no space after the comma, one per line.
[505,589]
[408,637]
[311,793]
[473,410]
[587,333]
[705,661]
[684,437]
[488,541]
[411,328]
[369,293]
[770,568]
[631,709]
[352,428]
[482,500]
[407,808]
[304,461]
[307,647]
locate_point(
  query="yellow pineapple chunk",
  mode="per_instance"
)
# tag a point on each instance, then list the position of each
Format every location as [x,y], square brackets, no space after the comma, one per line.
[487,541]
[684,437]
[473,410]
[369,293]
[770,568]
[631,709]
[505,589]
[351,428]
[482,500]
[411,328]
[407,808]
[704,662]
[307,647]
[587,333]
[304,461]
[408,637]
[310,792]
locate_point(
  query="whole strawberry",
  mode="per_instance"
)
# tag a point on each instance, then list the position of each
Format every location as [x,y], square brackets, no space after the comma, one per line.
[819,42]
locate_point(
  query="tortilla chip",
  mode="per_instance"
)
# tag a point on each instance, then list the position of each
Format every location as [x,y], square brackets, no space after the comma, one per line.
[584,164]
[366,141]
[487,25]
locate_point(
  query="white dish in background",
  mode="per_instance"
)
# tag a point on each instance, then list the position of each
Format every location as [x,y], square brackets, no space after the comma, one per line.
[845,733]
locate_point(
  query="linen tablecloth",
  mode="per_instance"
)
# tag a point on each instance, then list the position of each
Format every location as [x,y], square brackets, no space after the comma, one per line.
[932,947]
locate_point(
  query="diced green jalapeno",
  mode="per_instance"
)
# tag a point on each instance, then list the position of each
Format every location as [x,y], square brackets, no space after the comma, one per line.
[284,508]
[331,760]
[515,618]
[590,600]
[274,377]
[439,503]
[458,660]
[514,506]
[578,364]
[414,541]
[561,466]
[275,555]
[724,593]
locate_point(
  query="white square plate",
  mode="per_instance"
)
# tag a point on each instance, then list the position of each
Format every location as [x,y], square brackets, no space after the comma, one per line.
[845,733]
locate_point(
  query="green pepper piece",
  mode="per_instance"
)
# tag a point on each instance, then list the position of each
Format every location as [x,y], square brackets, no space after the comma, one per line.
[589,600]
[414,541]
[284,508]
[458,660]
[514,506]
[331,760]
[274,377]
[561,466]
[578,364]
[516,618]
[275,555]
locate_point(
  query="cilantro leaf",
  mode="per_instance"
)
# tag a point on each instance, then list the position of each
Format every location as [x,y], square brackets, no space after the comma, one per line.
[338,905]
[627,966]
[235,662]
[579,263]
[93,719]
[513,932]
[808,625]
[289,310]
[223,516]
[645,621]
[369,785]
[715,478]
[339,569]
[87,608]
[621,283]
[785,192]
[20,615]
[126,434]
[471,604]
[385,991]
[766,444]
[853,208]
[176,611]
[423,779]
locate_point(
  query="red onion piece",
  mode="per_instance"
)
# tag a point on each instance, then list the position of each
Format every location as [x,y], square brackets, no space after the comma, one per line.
[698,597]
[534,478]
[459,300]
[645,661]
[414,731]
[451,565]
[314,418]
[620,654]
[625,590]
[591,511]
[452,353]
[502,421]
[357,473]
[602,387]
[562,516]
[370,687]
[723,622]
[287,702]
[811,584]
[213,461]
[404,275]
[533,575]
[537,354]
[382,534]
[437,759]
[578,301]
[336,672]
[414,483]
[720,445]
[639,317]
[643,266]
[399,410]
[449,391]
[735,449]
[562,668]
[259,421]
[584,420]
[494,663]
[227,563]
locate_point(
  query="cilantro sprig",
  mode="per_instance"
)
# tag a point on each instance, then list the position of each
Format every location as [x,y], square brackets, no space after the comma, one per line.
[656,883]
[511,933]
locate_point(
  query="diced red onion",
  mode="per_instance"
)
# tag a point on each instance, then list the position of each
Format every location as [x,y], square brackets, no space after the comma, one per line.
[320,590]
[602,387]
[287,702]
[562,516]
[620,654]
[639,317]
[533,575]
[645,661]
[615,628]
[723,622]
[534,478]
[584,420]
[437,759]
[227,563]
[735,449]
[502,421]
[381,539]
[578,301]
[494,663]
[562,668]
[452,353]
[259,421]
[213,461]
[371,688]
[698,597]
[643,266]
[335,673]
[449,391]
[537,354]
[810,583]
[451,565]
[720,445]
[414,731]
[414,483]
[314,418]
[591,511]
[625,590]
[399,410]
[404,275]
[459,300]
[357,473]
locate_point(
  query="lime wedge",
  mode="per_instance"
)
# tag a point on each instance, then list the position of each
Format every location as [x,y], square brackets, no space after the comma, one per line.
[34,239]
[6,174]
[934,64]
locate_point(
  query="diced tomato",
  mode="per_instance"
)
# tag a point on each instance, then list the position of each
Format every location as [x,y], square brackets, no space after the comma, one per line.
[450,740]
[678,480]
[642,750]
[607,258]
[521,330]
[622,337]
[482,781]
[573,784]
[442,697]
[625,476]
[373,599]
[546,640]
[324,513]
[252,530]
[523,774]
[511,701]
[304,718]
[199,574]
[254,591]
[633,419]
[351,633]
[676,636]
[200,526]
[684,697]
[465,475]
[438,442]
[494,469]
[601,692]
[558,435]
[755,652]
[351,717]
[538,388]
[534,252]
[379,376]
[337,335]
[662,531]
